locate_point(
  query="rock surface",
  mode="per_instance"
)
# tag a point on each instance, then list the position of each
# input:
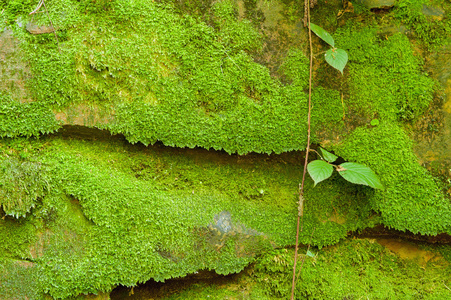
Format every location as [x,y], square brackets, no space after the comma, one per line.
[35,29]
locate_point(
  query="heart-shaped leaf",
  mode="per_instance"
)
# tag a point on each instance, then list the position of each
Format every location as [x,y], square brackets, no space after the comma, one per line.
[329,156]
[319,170]
[360,174]
[337,58]
[323,34]
[374,122]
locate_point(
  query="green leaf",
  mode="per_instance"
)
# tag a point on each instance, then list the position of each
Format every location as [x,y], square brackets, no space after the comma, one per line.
[337,58]
[329,156]
[319,170]
[310,253]
[374,122]
[323,34]
[360,174]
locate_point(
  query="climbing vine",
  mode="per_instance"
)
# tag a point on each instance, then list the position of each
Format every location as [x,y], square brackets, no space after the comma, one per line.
[320,170]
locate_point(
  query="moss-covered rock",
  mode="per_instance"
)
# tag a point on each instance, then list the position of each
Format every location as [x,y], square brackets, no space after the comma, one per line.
[152,69]
[114,214]
[83,212]
[373,268]
[412,199]
[386,78]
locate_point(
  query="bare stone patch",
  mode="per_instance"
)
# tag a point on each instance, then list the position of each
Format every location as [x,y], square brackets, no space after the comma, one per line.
[14,71]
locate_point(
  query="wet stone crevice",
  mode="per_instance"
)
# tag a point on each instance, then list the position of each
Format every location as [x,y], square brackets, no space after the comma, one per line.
[381,231]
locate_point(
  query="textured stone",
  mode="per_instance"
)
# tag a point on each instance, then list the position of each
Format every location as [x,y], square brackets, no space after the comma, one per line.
[14,70]
[35,29]
[436,13]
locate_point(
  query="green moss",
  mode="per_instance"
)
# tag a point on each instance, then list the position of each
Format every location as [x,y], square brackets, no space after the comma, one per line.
[18,280]
[134,223]
[445,251]
[156,69]
[327,110]
[99,6]
[358,268]
[15,7]
[25,119]
[201,291]
[431,31]
[386,78]
[23,183]
[362,261]
[17,237]
[295,68]
[236,34]
[412,199]
[387,82]
[122,214]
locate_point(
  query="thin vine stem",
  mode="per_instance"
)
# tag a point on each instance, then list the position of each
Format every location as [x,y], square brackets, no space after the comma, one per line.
[303,259]
[301,187]
[36,11]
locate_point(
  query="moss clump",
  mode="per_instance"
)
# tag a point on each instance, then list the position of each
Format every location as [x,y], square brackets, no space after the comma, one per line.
[386,78]
[412,199]
[358,268]
[295,68]
[433,32]
[26,119]
[155,69]
[361,261]
[156,232]
[17,236]
[387,82]
[210,92]
[19,280]
[22,184]
[328,110]
[15,7]
[167,212]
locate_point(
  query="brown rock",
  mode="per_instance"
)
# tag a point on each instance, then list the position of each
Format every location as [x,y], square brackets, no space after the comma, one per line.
[35,29]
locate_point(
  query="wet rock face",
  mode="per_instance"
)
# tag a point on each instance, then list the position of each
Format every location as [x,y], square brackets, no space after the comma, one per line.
[433,137]
[35,29]
[224,228]
[13,69]
[437,13]
[223,222]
